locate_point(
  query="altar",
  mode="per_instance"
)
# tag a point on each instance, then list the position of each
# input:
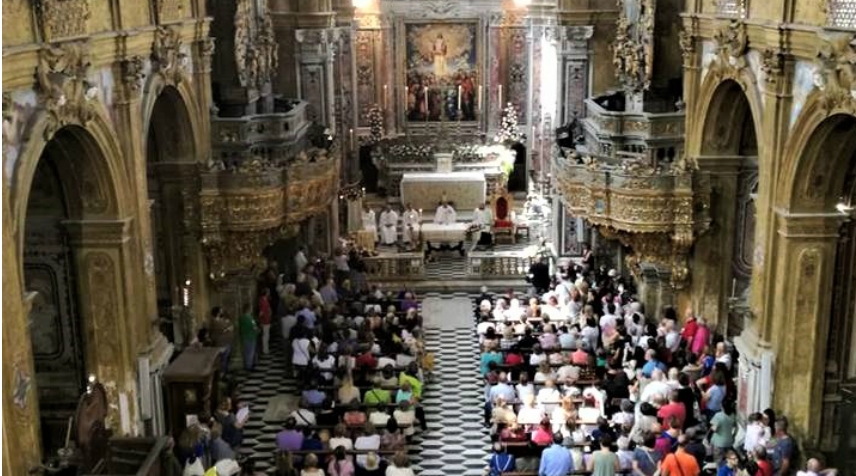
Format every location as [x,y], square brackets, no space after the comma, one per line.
[466,190]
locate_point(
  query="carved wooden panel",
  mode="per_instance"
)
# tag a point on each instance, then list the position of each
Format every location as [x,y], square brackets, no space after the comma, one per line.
[745,225]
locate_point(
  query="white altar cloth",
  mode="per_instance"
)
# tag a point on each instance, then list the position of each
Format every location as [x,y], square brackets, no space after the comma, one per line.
[466,190]
[452,233]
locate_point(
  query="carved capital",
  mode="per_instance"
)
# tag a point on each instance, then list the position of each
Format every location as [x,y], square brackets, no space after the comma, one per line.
[132,73]
[836,73]
[63,87]
[167,58]
[732,43]
[772,65]
[63,18]
[688,46]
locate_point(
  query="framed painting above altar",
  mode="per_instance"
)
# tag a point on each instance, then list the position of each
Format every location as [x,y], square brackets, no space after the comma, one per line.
[441,71]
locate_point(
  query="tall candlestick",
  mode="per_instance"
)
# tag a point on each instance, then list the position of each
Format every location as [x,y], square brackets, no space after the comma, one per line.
[385,88]
[426,103]
[500,98]
[459,102]
[480,98]
[351,138]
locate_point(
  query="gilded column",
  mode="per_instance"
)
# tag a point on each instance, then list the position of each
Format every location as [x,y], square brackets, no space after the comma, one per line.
[104,253]
[21,431]
[806,245]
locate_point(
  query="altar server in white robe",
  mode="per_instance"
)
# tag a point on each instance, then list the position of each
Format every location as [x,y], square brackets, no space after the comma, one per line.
[445,215]
[483,220]
[370,222]
[410,220]
[388,226]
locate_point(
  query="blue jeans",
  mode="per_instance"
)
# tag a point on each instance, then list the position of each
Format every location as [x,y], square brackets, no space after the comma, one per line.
[249,349]
[224,359]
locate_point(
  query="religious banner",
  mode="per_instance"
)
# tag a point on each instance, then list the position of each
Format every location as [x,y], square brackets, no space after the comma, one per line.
[441,71]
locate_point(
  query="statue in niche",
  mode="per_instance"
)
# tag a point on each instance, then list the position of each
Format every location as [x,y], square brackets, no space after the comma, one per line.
[439,51]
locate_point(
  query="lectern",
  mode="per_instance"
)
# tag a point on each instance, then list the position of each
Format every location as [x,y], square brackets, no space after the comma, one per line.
[191,383]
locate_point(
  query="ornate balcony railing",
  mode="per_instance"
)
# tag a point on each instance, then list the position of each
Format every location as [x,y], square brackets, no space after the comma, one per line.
[656,211]
[841,14]
[656,135]
[732,8]
[248,207]
[499,264]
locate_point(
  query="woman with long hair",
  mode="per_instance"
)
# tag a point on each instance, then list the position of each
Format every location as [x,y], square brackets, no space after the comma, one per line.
[340,464]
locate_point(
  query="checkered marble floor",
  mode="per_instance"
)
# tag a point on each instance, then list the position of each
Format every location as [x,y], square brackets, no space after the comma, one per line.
[457,443]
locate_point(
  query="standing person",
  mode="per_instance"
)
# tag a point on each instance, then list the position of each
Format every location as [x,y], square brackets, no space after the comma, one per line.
[780,448]
[264,319]
[388,226]
[483,220]
[249,332]
[300,260]
[680,463]
[604,462]
[724,426]
[370,222]
[588,258]
[223,334]
[540,276]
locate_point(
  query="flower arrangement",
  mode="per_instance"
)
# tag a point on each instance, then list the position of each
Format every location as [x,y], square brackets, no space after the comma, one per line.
[500,153]
[375,124]
[411,152]
[509,130]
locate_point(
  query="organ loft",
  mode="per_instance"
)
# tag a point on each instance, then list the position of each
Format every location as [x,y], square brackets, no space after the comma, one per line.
[244,236]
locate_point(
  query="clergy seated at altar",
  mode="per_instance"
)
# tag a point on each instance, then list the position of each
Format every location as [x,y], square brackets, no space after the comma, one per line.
[388,226]
[446,214]
[410,224]
[482,221]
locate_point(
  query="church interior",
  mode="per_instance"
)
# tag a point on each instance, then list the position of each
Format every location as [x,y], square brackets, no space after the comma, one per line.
[221,219]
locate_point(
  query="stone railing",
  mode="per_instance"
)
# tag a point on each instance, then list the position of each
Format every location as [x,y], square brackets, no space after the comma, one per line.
[499,264]
[841,14]
[397,266]
[274,136]
[732,8]
[656,211]
[656,135]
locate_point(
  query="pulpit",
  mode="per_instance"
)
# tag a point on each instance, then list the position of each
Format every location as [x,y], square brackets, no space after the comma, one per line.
[191,385]
[503,216]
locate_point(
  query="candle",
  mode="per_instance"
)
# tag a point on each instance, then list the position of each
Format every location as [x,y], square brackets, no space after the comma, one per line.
[479,98]
[734,287]
[426,103]
[351,138]
[500,97]
[385,88]
[459,102]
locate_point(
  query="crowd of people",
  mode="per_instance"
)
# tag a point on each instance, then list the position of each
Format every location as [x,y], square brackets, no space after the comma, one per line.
[357,357]
[579,378]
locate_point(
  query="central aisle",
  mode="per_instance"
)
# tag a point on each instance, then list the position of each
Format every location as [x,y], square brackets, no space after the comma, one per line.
[457,442]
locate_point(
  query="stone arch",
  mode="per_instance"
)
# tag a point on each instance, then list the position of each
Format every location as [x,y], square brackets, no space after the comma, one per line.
[101,159]
[819,157]
[182,98]
[169,131]
[720,104]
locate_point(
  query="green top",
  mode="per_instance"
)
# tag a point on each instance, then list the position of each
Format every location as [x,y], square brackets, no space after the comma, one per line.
[377,396]
[723,435]
[247,327]
[415,384]
[604,463]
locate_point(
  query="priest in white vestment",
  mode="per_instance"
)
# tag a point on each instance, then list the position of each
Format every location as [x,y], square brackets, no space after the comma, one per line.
[482,221]
[410,220]
[388,226]
[445,215]
[370,222]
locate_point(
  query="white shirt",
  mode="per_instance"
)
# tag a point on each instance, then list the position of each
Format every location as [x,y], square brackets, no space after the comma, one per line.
[325,367]
[530,415]
[445,215]
[608,320]
[300,260]
[482,218]
[303,417]
[370,443]
[411,217]
[348,443]
[300,351]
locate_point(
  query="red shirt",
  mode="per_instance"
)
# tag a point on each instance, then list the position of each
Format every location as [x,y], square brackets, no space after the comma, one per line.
[513,358]
[689,330]
[264,311]
[673,409]
[764,468]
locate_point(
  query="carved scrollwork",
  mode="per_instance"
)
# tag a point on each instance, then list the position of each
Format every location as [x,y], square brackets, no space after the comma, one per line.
[732,42]
[634,44]
[267,50]
[772,64]
[836,73]
[687,42]
[168,60]
[133,73]
[62,84]
[64,18]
